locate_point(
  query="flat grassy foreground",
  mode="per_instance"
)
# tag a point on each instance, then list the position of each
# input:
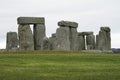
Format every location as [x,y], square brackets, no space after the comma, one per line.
[59,65]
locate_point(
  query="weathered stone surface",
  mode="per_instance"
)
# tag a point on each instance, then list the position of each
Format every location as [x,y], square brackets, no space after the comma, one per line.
[90,42]
[45,44]
[62,38]
[73,39]
[81,33]
[30,20]
[12,41]
[73,35]
[89,38]
[54,35]
[89,33]
[26,41]
[67,24]
[39,34]
[106,29]
[53,42]
[116,50]
[85,33]
[104,39]
[81,42]
[97,40]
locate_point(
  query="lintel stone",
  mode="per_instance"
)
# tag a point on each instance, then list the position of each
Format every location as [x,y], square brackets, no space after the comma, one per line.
[67,24]
[81,33]
[89,33]
[30,20]
[85,33]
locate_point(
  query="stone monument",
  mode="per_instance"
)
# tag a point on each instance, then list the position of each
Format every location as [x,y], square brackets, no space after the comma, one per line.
[67,33]
[65,38]
[27,40]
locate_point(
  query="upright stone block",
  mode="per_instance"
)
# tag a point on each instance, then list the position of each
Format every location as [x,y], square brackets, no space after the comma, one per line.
[53,42]
[90,41]
[104,39]
[12,41]
[62,38]
[39,34]
[45,44]
[81,41]
[26,41]
[73,38]
[97,40]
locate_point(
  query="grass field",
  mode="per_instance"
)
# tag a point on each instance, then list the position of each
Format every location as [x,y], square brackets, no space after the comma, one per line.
[59,65]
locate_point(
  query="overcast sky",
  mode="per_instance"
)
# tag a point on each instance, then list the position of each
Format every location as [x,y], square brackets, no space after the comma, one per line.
[90,14]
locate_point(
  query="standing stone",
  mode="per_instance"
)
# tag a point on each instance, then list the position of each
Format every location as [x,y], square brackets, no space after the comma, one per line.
[25,38]
[97,40]
[53,42]
[104,39]
[73,39]
[45,44]
[62,38]
[90,41]
[12,41]
[81,41]
[39,34]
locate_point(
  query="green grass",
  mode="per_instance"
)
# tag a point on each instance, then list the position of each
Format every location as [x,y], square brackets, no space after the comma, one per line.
[59,65]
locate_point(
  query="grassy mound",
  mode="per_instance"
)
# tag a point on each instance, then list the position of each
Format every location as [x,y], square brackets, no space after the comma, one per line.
[59,65]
